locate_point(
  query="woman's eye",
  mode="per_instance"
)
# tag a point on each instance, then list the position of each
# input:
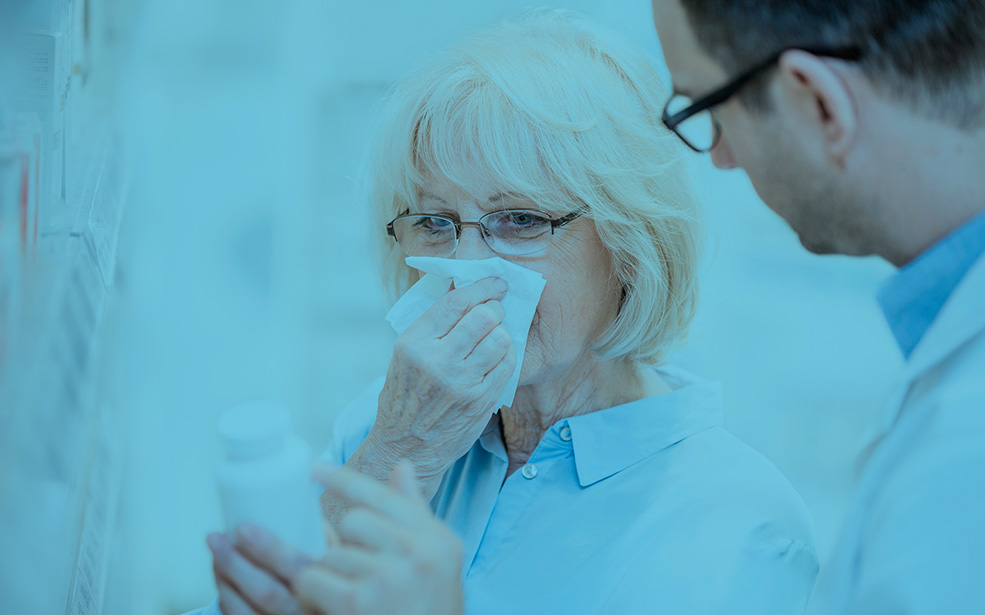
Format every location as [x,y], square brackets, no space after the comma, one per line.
[524,220]
[519,224]
[521,219]
[432,224]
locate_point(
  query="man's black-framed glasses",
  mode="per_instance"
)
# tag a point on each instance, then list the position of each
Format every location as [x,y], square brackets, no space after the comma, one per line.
[692,121]
[510,232]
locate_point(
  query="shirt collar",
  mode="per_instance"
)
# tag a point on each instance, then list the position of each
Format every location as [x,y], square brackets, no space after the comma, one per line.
[611,440]
[912,299]
[492,439]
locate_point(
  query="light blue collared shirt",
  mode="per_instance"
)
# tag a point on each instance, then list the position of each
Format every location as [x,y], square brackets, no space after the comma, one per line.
[913,298]
[646,507]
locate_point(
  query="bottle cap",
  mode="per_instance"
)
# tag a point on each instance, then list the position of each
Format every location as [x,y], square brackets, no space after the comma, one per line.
[254,429]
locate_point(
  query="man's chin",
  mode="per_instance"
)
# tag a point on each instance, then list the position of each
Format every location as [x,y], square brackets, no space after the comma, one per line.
[817,246]
[824,247]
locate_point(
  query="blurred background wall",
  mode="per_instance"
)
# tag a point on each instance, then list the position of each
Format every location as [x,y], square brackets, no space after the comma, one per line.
[243,266]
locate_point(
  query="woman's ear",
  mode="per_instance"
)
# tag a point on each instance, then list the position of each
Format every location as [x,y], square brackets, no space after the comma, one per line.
[825,99]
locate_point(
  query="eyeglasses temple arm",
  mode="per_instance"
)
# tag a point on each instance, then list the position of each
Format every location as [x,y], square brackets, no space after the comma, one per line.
[726,92]
[568,218]
[719,96]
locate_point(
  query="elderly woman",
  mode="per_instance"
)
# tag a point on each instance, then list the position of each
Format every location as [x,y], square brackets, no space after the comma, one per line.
[609,485]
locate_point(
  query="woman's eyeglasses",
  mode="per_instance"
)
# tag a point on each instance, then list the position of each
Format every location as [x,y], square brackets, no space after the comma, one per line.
[511,232]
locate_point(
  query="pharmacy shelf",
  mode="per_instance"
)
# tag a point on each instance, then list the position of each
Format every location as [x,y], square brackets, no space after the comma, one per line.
[56,446]
[61,205]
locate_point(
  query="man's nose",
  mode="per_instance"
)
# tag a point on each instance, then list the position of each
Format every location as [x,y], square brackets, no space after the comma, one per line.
[721,156]
[471,247]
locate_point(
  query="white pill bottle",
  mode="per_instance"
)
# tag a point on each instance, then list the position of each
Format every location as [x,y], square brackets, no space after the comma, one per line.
[264,476]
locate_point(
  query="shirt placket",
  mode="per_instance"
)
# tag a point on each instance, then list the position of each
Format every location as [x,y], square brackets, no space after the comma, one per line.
[518,491]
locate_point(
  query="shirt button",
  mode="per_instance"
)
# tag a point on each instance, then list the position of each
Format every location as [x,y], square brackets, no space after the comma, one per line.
[566,433]
[529,471]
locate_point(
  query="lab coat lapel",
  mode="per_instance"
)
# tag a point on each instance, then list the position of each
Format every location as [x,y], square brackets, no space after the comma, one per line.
[960,320]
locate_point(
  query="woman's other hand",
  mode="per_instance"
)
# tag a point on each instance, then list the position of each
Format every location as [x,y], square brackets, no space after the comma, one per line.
[394,556]
[254,573]
[448,369]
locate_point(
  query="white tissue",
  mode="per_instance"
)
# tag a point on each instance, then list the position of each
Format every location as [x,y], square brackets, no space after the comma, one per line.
[519,303]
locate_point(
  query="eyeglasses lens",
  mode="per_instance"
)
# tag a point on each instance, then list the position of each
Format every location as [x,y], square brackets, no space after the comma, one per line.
[698,130]
[517,232]
[425,235]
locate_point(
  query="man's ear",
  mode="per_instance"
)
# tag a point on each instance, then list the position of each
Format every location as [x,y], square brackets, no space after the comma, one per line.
[813,81]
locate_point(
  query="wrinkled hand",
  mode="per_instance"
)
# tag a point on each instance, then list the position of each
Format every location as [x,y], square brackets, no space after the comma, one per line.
[394,557]
[447,370]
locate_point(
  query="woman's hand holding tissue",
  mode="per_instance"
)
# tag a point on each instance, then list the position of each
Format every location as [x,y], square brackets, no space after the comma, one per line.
[447,371]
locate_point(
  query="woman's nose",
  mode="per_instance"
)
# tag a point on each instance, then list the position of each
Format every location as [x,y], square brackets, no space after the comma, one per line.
[471,247]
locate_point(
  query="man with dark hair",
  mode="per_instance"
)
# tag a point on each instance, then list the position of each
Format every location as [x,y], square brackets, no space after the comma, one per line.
[862,124]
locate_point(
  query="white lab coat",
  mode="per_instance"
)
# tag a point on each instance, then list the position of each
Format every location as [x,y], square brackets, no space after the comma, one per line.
[914,539]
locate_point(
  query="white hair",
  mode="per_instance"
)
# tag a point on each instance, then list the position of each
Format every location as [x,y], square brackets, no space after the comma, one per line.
[548,107]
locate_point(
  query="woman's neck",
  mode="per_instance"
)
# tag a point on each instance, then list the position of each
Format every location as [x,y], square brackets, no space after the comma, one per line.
[587,386]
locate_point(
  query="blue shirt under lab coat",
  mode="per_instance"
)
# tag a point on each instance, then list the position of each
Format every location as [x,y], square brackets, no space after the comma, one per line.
[647,507]
[913,298]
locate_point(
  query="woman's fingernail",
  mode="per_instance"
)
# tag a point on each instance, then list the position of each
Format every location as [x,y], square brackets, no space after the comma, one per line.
[501,285]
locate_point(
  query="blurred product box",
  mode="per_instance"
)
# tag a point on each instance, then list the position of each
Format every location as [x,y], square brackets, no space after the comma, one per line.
[41,84]
[50,15]
[20,162]
[11,181]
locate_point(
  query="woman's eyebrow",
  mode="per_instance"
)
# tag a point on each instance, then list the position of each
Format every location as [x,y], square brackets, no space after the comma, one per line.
[427,195]
[494,199]
[506,195]
[498,197]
